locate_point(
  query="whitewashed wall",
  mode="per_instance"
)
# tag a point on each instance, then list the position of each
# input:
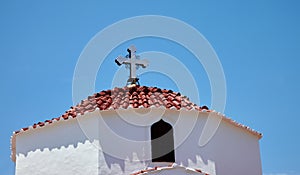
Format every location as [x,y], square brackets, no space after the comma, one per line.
[59,148]
[73,146]
[232,150]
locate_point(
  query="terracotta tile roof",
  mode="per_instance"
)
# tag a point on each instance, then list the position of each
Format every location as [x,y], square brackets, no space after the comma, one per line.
[129,97]
[135,97]
[169,167]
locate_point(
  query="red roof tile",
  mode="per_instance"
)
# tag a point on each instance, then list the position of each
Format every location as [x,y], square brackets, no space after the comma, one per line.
[135,97]
[171,166]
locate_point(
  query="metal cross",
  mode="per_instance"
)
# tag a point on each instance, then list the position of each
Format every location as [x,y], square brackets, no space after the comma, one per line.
[132,62]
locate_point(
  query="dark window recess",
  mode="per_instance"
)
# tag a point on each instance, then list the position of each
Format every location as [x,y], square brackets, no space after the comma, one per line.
[162,142]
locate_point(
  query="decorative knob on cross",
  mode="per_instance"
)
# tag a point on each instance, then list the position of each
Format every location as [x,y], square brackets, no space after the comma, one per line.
[133,62]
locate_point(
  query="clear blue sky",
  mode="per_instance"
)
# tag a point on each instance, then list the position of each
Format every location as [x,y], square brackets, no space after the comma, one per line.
[257,43]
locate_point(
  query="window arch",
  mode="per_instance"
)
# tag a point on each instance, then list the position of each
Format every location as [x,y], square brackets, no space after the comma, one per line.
[162,142]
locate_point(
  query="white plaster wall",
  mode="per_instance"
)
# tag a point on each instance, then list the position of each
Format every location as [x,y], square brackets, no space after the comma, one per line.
[59,148]
[72,147]
[231,151]
[81,159]
[123,142]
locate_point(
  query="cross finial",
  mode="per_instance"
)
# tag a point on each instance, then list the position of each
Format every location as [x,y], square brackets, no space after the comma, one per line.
[133,62]
[131,50]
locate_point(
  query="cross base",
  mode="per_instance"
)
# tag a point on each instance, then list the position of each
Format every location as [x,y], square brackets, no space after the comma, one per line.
[133,81]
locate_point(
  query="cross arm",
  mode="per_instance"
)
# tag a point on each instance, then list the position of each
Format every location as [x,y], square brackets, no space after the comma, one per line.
[120,60]
[144,63]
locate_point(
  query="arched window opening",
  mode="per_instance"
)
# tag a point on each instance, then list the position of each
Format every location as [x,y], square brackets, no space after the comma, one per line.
[162,142]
